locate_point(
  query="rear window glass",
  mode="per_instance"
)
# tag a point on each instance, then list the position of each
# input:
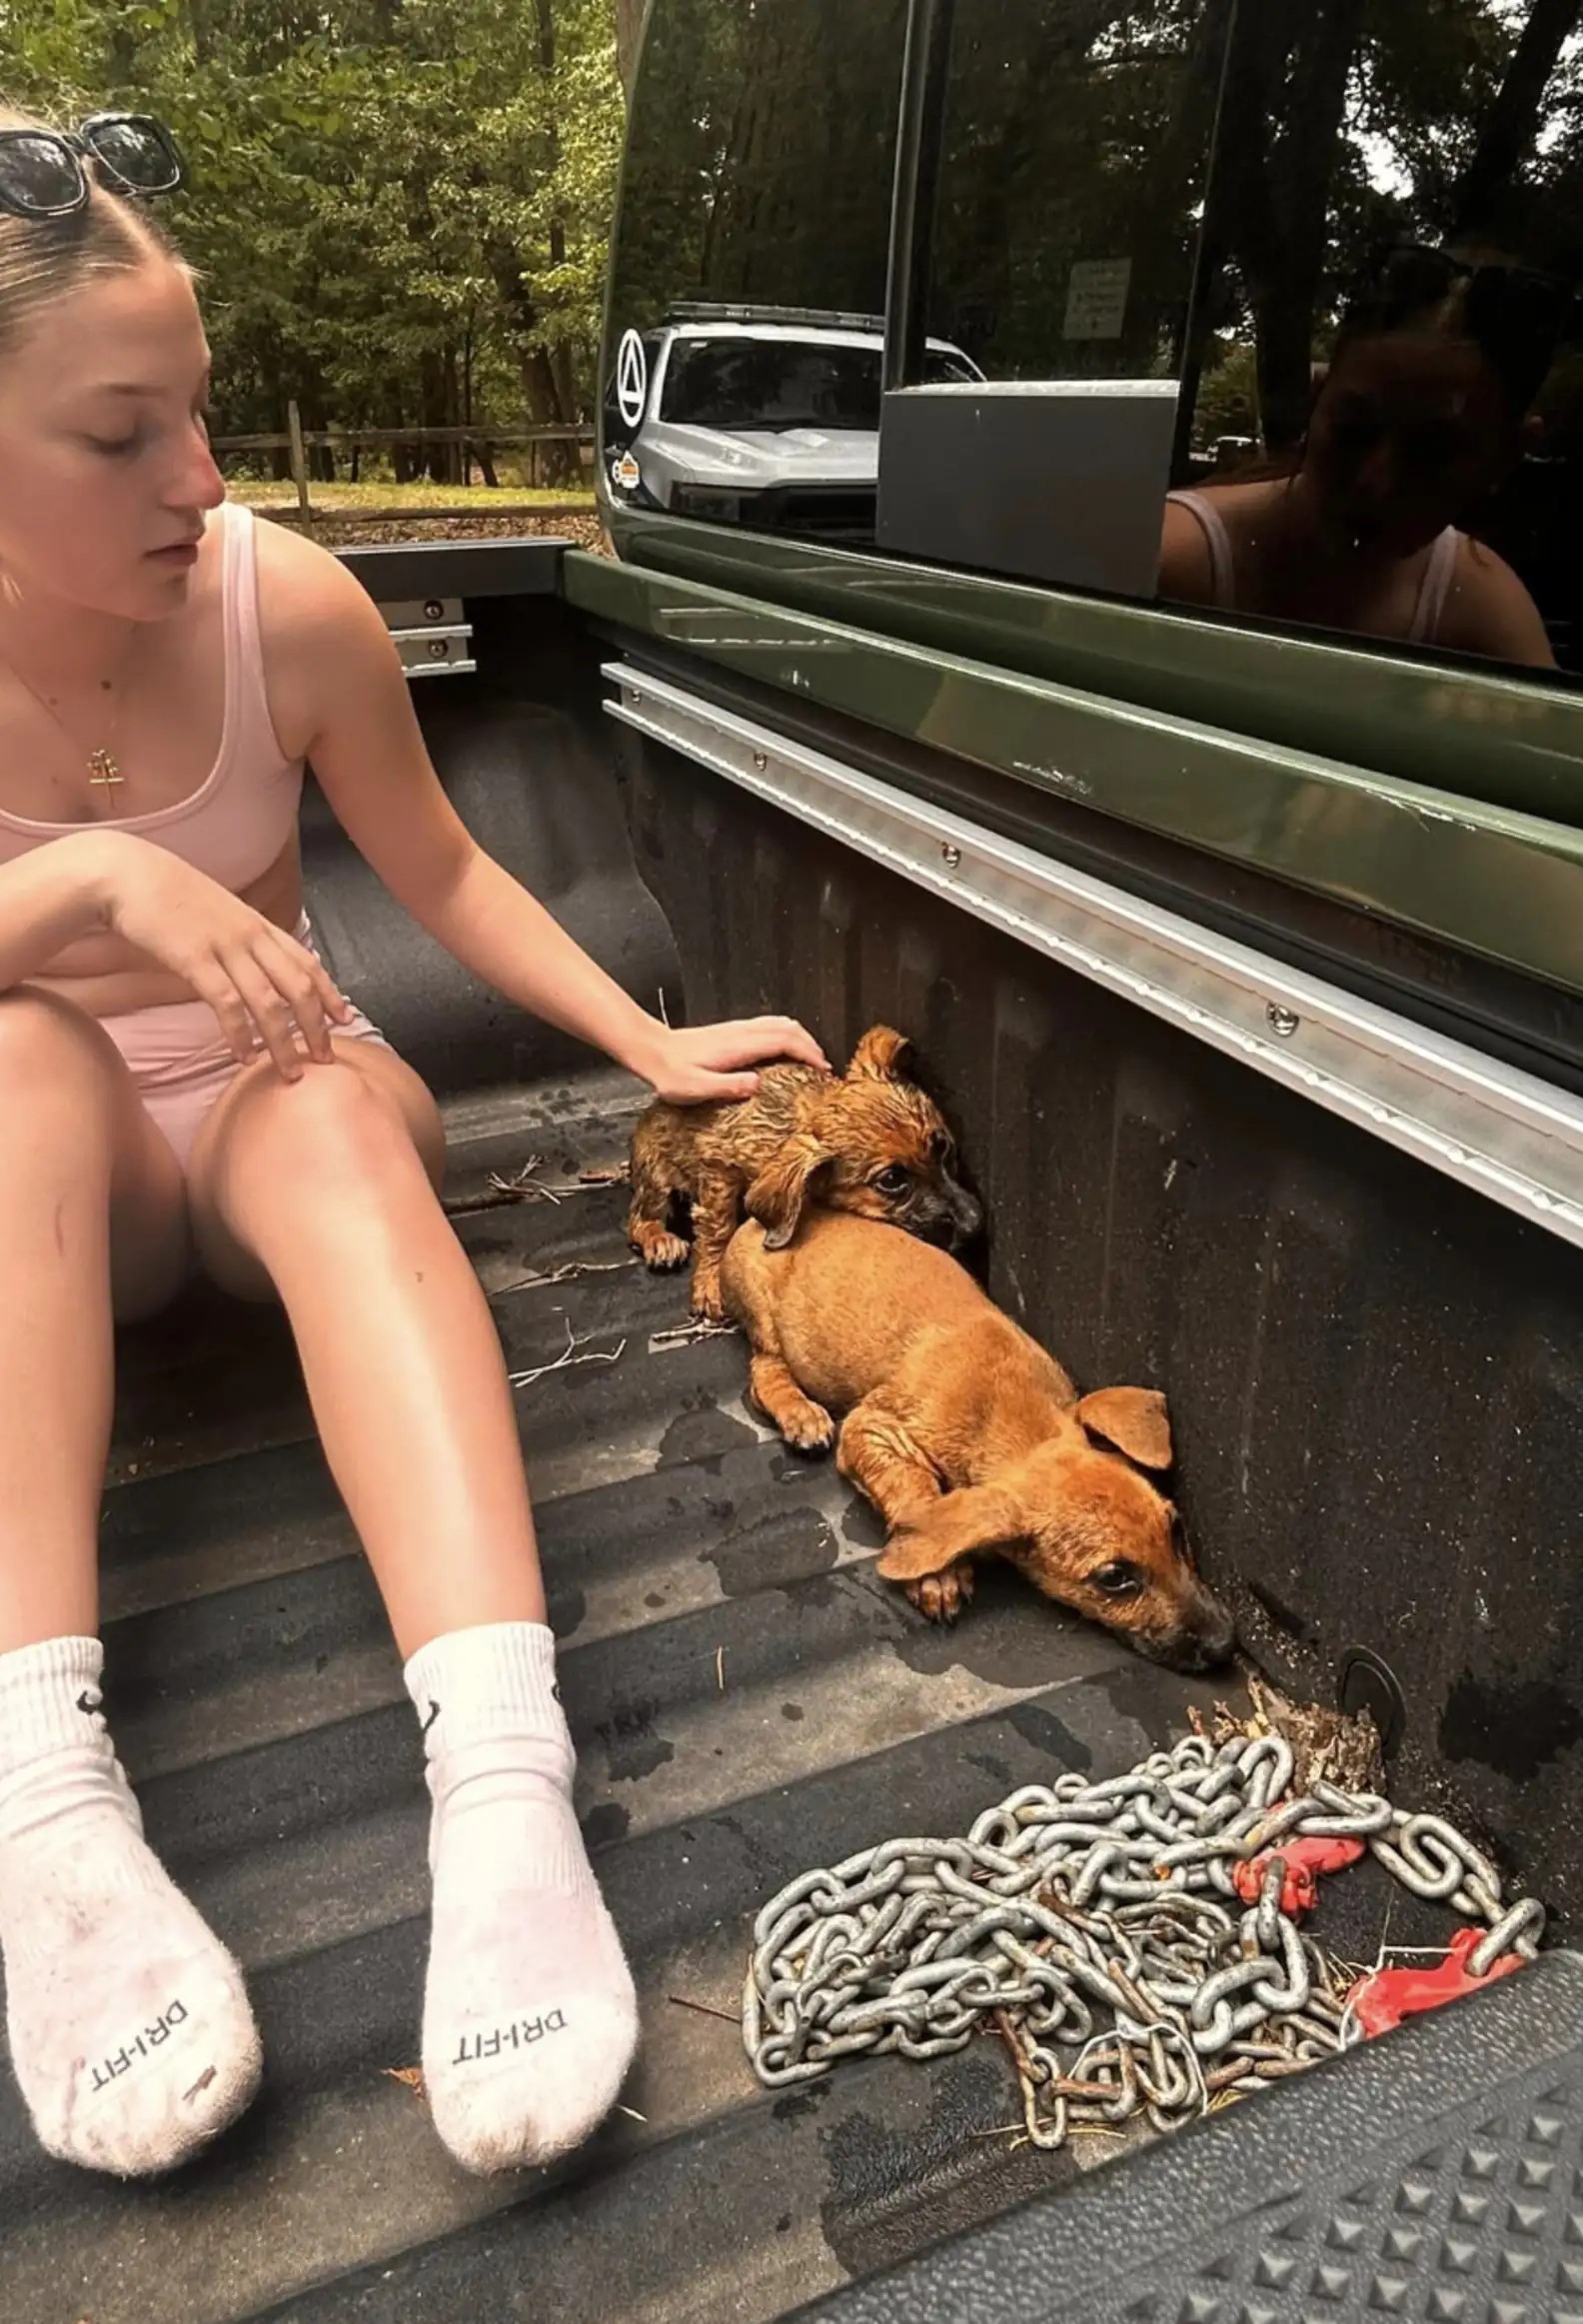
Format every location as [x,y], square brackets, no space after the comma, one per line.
[1268,313]
[757,190]
[770,384]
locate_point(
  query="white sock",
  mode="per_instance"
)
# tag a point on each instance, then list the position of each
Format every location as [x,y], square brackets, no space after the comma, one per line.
[130,2030]
[530,2018]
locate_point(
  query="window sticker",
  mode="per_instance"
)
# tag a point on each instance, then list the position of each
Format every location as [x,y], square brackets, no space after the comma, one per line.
[1096,297]
[631,379]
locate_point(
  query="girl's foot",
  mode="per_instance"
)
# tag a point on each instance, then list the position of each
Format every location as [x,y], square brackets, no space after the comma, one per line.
[130,2029]
[529,2017]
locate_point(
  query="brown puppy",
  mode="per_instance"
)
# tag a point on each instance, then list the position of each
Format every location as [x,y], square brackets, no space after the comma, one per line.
[966,1436]
[868,1141]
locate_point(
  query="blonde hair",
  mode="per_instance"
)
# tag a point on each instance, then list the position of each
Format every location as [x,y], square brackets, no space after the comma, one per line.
[43,260]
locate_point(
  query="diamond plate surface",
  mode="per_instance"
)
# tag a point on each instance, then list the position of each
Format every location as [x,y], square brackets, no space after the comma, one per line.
[1435,2175]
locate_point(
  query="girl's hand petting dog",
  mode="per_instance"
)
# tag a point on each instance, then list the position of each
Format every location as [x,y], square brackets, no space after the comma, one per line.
[705,1065]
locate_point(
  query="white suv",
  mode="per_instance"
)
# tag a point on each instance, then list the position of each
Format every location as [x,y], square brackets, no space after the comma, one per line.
[767,415]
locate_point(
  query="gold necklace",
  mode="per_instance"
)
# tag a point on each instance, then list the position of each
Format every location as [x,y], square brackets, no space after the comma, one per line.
[104,770]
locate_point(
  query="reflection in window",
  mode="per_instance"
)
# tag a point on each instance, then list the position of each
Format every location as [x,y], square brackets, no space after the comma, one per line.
[1073,167]
[1384,428]
[751,258]
[778,384]
[1074,155]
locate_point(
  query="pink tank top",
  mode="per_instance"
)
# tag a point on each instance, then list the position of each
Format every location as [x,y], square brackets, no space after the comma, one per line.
[240,818]
[1433,589]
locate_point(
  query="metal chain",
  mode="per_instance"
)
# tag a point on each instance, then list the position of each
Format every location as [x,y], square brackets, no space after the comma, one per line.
[1098,1926]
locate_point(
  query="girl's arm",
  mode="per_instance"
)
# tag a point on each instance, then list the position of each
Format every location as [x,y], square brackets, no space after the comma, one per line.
[344,701]
[48,899]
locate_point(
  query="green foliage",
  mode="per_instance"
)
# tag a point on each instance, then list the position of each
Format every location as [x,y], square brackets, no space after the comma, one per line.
[400,208]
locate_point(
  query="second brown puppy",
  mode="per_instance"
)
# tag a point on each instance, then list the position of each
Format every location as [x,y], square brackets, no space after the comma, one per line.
[968,1438]
[868,1141]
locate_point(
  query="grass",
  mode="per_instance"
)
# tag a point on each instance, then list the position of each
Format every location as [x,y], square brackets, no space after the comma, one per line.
[324,499]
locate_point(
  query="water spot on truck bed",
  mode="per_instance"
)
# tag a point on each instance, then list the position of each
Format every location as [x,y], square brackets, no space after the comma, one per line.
[604,1824]
[1050,1738]
[861,1525]
[1006,1635]
[568,1605]
[1152,1704]
[632,1747]
[992,1764]
[1515,1730]
[788,1546]
[703,1433]
[796,2103]
[916,2131]
[815,1591]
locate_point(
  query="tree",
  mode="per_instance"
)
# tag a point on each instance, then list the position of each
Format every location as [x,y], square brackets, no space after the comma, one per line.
[399,208]
[628,35]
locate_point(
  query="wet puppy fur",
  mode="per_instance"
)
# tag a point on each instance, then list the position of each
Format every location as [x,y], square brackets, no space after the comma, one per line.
[868,1141]
[966,1436]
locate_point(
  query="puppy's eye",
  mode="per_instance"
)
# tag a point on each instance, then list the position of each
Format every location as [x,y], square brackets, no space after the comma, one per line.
[1121,1578]
[894,1181]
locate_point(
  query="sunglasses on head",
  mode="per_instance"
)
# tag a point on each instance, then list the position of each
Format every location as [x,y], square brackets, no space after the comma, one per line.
[44,172]
[1496,292]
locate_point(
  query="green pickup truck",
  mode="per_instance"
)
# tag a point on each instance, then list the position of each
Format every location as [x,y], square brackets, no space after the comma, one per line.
[1183,743]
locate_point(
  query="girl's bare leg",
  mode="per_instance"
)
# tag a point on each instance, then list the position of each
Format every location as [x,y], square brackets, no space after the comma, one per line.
[323,1191]
[130,2032]
[92,1213]
[324,1187]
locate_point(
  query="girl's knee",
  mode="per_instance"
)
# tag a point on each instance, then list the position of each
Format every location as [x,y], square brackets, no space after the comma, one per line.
[47,1043]
[335,1121]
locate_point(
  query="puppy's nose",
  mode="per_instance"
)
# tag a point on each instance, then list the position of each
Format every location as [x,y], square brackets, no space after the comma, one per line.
[966,1215]
[1213,1632]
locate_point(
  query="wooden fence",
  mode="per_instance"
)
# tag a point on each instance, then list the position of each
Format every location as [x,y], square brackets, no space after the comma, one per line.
[298,441]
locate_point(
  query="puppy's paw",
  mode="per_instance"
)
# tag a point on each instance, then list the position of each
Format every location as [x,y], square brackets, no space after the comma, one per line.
[707,1305]
[658,1249]
[809,1429]
[941,1597]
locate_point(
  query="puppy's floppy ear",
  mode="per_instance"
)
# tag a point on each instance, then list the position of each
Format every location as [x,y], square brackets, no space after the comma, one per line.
[961,1524]
[1134,1420]
[777,1195]
[882,1055]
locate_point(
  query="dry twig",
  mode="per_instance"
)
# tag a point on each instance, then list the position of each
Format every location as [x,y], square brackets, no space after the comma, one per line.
[527,1187]
[570,1273]
[706,2008]
[575,1351]
[687,1334]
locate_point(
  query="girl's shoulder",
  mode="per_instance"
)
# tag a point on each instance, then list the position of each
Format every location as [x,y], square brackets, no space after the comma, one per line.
[299,583]
[1488,610]
[314,623]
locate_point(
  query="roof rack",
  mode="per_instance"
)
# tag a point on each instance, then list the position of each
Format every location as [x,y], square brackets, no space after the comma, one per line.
[750,311]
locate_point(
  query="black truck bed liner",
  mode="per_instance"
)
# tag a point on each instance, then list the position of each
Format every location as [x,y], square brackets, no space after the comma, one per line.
[748,1699]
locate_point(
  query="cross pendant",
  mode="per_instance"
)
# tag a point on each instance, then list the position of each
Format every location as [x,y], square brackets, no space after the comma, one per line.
[103,774]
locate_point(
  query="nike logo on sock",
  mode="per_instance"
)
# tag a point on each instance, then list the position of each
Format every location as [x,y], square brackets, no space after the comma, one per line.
[433,1713]
[88,1702]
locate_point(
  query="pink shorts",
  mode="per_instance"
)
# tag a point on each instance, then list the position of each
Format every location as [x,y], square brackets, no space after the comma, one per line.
[182,1063]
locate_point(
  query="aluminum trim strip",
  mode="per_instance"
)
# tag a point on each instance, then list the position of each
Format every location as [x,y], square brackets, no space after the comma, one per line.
[1505,1134]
